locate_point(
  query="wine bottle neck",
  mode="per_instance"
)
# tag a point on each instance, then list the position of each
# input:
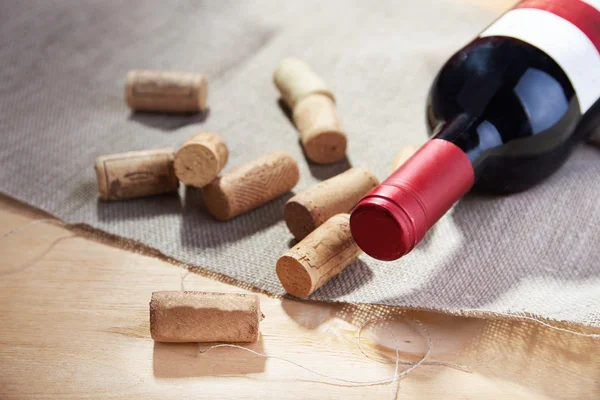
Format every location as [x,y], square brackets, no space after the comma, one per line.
[473,136]
[394,217]
[455,128]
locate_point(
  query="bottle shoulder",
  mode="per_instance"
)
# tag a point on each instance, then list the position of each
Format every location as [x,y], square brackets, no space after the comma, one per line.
[492,76]
[517,105]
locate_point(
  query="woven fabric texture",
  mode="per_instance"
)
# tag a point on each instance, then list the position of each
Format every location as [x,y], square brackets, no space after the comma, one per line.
[62,105]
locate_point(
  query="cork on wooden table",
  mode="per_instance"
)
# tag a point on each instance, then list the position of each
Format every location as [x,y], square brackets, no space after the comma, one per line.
[166,91]
[310,209]
[251,185]
[177,316]
[200,159]
[313,110]
[136,174]
[323,254]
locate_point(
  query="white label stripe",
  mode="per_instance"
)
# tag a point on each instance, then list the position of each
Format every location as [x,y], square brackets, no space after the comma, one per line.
[559,39]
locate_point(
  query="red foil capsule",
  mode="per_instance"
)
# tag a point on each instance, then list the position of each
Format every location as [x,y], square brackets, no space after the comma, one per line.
[390,220]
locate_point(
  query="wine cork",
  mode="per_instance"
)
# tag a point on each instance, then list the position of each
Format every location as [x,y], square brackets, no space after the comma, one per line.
[136,174]
[310,209]
[403,155]
[321,135]
[295,80]
[166,91]
[251,185]
[200,159]
[320,256]
[313,110]
[204,317]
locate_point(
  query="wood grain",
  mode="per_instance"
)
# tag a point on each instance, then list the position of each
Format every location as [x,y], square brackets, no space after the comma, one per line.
[75,325]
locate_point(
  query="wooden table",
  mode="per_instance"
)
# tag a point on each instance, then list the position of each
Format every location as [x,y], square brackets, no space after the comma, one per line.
[74,324]
[74,314]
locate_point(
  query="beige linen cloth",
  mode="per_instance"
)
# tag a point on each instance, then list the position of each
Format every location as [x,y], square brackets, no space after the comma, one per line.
[63,66]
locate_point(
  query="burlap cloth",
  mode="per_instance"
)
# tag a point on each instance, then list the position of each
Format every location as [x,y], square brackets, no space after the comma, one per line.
[61,106]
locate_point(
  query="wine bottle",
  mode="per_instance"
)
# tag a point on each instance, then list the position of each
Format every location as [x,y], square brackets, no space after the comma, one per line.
[504,113]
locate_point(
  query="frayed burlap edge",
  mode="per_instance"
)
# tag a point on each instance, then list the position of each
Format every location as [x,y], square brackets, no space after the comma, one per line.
[369,309]
[366,310]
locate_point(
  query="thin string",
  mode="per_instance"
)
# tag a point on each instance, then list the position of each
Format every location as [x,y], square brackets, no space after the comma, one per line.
[395,377]
[28,225]
[347,382]
[415,365]
[383,360]
[394,380]
[183,276]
